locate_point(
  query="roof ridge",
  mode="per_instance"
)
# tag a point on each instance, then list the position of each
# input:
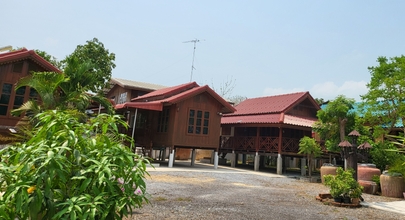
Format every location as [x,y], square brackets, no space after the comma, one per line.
[286,94]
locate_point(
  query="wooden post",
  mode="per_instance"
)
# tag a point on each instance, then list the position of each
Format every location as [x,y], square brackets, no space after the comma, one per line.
[257,138]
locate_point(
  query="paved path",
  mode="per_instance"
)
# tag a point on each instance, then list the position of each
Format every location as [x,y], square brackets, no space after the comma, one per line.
[398,206]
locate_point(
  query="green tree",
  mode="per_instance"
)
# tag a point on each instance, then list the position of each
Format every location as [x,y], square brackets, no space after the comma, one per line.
[101,59]
[384,104]
[71,170]
[320,101]
[57,91]
[51,59]
[335,121]
[311,149]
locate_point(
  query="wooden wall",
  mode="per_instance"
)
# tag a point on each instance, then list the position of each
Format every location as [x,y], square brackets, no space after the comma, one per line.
[177,134]
[10,74]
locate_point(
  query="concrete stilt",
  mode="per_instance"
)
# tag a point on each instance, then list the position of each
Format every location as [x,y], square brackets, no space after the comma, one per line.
[303,164]
[279,164]
[257,162]
[192,157]
[171,158]
[216,160]
[233,159]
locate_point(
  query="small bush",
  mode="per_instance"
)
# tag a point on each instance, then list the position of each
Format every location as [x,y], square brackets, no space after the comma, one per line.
[71,170]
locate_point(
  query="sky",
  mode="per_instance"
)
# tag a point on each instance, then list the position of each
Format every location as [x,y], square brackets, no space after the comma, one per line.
[262,48]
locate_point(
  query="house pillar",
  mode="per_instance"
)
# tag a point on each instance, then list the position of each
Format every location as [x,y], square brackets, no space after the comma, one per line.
[216,160]
[257,162]
[279,164]
[193,157]
[171,158]
[303,163]
[233,159]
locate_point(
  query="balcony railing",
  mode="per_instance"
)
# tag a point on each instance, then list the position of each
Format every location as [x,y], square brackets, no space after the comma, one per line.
[262,144]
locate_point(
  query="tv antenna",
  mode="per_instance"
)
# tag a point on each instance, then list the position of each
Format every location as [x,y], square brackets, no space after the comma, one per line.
[195,41]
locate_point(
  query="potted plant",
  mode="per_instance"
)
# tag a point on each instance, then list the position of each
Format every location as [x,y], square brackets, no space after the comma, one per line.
[355,194]
[343,185]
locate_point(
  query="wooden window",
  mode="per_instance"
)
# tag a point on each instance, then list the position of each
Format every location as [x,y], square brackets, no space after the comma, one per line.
[19,97]
[198,122]
[5,97]
[33,94]
[163,120]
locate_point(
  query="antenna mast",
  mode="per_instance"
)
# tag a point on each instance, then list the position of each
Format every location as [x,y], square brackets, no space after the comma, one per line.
[192,64]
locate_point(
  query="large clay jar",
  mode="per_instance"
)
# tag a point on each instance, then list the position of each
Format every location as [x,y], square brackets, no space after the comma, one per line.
[367,171]
[369,187]
[326,169]
[392,185]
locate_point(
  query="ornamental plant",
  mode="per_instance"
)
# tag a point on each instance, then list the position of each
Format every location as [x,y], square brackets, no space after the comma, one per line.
[70,169]
[343,184]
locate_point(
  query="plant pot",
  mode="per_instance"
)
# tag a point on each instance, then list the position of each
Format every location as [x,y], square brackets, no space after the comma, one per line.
[392,186]
[346,200]
[355,201]
[327,169]
[367,171]
[369,187]
[338,199]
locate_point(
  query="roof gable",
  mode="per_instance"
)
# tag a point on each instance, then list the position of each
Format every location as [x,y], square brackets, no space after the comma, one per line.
[24,54]
[166,92]
[176,94]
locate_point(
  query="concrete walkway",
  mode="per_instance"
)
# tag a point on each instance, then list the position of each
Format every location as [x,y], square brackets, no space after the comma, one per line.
[397,206]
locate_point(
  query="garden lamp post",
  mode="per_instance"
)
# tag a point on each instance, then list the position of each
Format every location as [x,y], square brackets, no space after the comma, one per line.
[352,162]
[364,151]
[350,152]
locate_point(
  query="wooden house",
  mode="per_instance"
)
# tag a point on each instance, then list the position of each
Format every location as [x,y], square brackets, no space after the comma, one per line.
[14,66]
[268,126]
[186,116]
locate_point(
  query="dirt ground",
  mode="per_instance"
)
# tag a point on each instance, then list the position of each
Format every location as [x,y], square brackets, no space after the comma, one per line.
[200,192]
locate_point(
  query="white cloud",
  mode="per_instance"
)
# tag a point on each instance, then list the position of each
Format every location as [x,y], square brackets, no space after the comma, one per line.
[326,90]
[329,90]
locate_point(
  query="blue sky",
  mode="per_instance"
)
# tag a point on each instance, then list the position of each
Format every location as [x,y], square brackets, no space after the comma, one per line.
[267,47]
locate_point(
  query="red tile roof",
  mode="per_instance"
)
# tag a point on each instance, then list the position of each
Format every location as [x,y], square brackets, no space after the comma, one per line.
[270,110]
[269,104]
[24,54]
[174,95]
[166,92]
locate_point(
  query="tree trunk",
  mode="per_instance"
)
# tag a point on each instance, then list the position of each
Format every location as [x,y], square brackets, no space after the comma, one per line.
[342,125]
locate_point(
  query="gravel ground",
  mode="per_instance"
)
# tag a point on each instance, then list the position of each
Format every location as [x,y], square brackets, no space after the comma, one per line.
[200,192]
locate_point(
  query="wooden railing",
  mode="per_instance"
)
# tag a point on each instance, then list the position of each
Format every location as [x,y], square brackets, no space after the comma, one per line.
[259,144]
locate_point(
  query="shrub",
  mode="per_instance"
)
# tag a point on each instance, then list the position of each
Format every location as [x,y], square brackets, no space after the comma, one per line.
[343,184]
[70,169]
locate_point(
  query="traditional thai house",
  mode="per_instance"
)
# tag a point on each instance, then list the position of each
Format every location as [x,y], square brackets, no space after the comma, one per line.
[268,126]
[14,66]
[186,116]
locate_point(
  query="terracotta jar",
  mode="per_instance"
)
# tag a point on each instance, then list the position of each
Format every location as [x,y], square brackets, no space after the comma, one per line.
[392,186]
[326,169]
[369,187]
[367,171]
